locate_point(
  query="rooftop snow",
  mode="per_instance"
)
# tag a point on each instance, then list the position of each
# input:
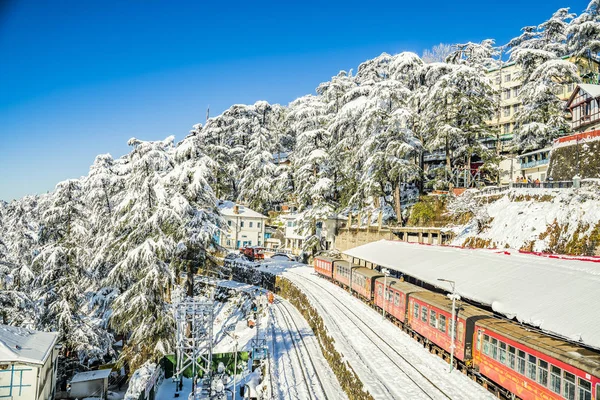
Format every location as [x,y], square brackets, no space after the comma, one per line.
[558,295]
[25,345]
[592,90]
[91,375]
[226,208]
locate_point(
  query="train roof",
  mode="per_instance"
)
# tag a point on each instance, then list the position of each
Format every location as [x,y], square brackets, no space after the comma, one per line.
[324,258]
[559,295]
[577,356]
[465,310]
[404,287]
[341,262]
[368,272]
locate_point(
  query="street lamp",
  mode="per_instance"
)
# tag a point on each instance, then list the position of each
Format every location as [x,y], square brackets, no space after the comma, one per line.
[235,338]
[386,273]
[454,297]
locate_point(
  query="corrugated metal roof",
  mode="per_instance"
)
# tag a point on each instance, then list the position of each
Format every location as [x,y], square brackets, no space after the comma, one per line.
[593,90]
[91,375]
[556,295]
[25,345]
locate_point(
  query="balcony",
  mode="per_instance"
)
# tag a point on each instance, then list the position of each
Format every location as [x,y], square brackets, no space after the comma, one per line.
[534,164]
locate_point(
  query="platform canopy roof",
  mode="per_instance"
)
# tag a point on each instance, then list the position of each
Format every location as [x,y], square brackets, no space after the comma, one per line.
[559,295]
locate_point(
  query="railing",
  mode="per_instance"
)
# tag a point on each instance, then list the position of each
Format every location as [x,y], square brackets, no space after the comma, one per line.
[532,164]
[544,185]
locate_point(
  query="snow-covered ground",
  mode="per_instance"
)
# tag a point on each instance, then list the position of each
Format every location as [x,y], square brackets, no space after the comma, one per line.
[390,364]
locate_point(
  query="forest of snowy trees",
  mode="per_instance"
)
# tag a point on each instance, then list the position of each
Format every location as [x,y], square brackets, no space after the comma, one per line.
[100,255]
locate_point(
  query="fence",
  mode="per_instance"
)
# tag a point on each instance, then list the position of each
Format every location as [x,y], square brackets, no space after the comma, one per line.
[544,185]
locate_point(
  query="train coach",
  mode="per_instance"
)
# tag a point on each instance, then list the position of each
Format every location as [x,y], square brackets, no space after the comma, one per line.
[532,365]
[363,282]
[342,271]
[396,299]
[324,266]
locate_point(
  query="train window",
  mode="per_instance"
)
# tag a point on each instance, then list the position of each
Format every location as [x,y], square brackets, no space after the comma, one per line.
[532,367]
[442,324]
[543,373]
[597,391]
[433,319]
[555,374]
[424,314]
[494,349]
[521,362]
[416,311]
[502,355]
[584,390]
[397,299]
[510,361]
[461,330]
[568,386]
[486,345]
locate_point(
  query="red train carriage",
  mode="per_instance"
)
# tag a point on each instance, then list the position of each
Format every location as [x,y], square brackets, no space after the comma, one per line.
[323,266]
[397,292]
[342,271]
[363,281]
[430,314]
[532,365]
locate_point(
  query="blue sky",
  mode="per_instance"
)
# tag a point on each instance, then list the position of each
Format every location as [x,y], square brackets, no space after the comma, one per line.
[79,78]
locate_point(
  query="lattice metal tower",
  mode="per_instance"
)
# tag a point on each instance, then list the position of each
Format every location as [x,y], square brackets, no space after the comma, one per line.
[194,341]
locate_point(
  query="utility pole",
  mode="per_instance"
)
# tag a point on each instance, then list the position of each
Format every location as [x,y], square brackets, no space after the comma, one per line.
[454,297]
[386,273]
[235,338]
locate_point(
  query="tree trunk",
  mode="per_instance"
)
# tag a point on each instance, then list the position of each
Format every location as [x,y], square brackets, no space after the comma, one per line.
[397,204]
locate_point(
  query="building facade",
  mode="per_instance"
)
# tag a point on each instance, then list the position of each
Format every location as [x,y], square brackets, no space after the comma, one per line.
[534,165]
[28,364]
[584,106]
[245,227]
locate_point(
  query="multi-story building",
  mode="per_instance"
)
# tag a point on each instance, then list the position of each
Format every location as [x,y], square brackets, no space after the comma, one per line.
[506,81]
[245,227]
[584,105]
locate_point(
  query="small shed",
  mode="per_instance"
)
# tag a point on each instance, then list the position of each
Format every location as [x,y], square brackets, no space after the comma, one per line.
[90,384]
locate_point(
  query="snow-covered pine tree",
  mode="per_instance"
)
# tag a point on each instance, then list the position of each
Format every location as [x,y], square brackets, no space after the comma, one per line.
[61,276]
[583,38]
[143,246]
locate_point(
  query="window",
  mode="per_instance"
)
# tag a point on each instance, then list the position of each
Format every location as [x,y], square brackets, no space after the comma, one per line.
[229,223]
[433,319]
[494,349]
[510,361]
[486,345]
[290,224]
[597,391]
[532,367]
[241,224]
[506,128]
[424,314]
[507,78]
[584,390]
[502,353]
[461,330]
[416,311]
[250,224]
[507,111]
[258,225]
[568,386]
[555,374]
[397,299]
[542,373]
[498,80]
[521,362]
[442,324]
[507,94]
[516,108]
[516,92]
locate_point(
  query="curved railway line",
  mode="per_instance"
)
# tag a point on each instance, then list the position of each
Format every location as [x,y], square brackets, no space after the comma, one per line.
[426,387]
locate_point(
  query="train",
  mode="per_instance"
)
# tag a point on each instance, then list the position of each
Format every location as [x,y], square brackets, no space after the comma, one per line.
[510,359]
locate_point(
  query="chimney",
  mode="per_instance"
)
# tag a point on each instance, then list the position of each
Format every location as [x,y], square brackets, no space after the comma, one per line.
[236,209]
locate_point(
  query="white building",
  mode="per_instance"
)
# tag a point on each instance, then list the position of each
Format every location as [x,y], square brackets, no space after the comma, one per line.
[326,230]
[534,165]
[27,364]
[245,227]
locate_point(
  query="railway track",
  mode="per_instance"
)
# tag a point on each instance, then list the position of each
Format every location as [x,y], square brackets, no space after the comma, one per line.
[314,386]
[427,387]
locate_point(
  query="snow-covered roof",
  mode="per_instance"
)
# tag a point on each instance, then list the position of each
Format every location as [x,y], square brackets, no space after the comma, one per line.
[91,375]
[544,150]
[558,295]
[25,345]
[227,208]
[592,90]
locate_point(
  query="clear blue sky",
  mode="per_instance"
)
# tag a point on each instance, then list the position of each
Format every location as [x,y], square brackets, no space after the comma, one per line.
[79,78]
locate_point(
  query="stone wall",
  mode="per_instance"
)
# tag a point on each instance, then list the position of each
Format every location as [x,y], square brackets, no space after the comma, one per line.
[563,161]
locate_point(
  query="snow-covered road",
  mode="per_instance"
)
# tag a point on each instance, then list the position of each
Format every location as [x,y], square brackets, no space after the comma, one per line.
[390,364]
[298,368]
